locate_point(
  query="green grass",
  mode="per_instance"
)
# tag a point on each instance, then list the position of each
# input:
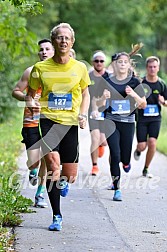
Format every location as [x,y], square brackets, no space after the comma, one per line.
[12,203]
[162,139]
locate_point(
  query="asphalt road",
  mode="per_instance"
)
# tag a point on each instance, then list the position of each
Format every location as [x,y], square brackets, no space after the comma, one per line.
[92,221]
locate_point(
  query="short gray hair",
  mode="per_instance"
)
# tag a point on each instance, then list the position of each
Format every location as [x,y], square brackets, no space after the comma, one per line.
[53,32]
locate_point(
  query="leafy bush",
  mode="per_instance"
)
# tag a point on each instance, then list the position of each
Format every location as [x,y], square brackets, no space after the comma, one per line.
[12,203]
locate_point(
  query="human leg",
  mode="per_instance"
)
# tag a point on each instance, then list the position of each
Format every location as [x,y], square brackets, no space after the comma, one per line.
[153,131]
[39,198]
[141,134]
[51,137]
[102,144]
[42,173]
[52,184]
[69,156]
[62,142]
[33,165]
[31,138]
[126,140]
[113,143]
[151,143]
[95,140]
[69,153]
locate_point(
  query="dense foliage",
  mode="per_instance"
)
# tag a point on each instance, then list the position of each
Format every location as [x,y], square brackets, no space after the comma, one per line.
[108,25]
[17,44]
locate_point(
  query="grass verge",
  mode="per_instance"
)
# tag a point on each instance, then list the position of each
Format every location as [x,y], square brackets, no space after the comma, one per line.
[12,203]
[162,142]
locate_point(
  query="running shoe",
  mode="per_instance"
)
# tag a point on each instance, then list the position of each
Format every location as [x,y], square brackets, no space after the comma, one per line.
[126,167]
[137,155]
[57,223]
[64,188]
[40,201]
[101,150]
[95,170]
[111,187]
[146,173]
[33,177]
[117,195]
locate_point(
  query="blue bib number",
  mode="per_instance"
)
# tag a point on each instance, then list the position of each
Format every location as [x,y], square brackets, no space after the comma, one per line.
[120,107]
[60,101]
[151,110]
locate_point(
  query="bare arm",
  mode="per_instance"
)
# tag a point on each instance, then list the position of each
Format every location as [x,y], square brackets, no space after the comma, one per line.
[95,111]
[102,100]
[84,108]
[29,99]
[162,100]
[22,85]
[141,101]
[85,102]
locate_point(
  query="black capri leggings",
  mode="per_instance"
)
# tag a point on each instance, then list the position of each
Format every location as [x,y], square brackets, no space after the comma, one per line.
[120,145]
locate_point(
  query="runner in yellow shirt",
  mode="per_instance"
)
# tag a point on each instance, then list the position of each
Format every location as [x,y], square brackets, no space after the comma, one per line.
[64,104]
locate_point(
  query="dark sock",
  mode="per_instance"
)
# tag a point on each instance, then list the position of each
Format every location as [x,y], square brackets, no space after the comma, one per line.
[94,164]
[116,182]
[54,196]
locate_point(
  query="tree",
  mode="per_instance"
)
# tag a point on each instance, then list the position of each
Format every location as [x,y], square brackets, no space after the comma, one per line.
[16,46]
[27,5]
[157,20]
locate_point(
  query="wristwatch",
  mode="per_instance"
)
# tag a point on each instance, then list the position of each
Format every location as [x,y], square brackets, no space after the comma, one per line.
[83,115]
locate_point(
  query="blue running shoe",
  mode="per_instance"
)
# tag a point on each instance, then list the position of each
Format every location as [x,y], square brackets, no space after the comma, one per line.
[117,196]
[64,188]
[126,167]
[57,223]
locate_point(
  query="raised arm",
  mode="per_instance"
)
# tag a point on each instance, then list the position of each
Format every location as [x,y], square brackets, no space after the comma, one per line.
[141,101]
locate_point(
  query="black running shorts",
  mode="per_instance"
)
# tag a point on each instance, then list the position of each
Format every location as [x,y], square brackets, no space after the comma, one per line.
[147,129]
[60,138]
[31,137]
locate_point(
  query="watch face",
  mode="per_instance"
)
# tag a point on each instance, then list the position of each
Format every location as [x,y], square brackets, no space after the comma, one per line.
[83,115]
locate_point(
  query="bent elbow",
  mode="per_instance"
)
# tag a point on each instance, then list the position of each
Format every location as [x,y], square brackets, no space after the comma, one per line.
[143,105]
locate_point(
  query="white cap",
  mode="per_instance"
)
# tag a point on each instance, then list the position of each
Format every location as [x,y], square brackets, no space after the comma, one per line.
[99,54]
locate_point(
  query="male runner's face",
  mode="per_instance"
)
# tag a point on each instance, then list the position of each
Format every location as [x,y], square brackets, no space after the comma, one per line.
[46,51]
[98,64]
[152,68]
[63,41]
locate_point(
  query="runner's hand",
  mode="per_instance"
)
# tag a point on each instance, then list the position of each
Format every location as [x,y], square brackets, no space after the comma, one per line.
[82,121]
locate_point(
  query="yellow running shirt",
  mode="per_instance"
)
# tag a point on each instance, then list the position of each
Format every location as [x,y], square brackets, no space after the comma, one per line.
[62,86]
